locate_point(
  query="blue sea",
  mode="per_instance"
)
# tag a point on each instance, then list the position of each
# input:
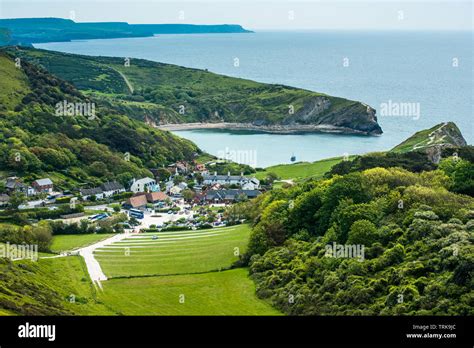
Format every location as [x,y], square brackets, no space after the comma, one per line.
[430,70]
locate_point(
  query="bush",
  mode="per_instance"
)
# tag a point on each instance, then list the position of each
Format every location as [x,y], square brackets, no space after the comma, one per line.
[362,232]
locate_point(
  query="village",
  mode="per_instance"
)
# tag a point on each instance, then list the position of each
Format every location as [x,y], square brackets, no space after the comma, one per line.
[183,195]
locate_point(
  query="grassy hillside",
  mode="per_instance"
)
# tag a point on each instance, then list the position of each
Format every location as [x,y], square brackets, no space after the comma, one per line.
[13,85]
[216,293]
[189,281]
[45,288]
[166,93]
[37,141]
[443,134]
[174,252]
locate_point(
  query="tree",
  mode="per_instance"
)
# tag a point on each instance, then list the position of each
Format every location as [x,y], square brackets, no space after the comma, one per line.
[162,174]
[99,169]
[349,187]
[199,178]
[274,220]
[271,177]
[125,178]
[302,214]
[188,195]
[177,179]
[362,232]
[462,174]
[347,213]
[17,199]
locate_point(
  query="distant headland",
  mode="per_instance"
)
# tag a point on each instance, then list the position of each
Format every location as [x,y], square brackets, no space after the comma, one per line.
[27,31]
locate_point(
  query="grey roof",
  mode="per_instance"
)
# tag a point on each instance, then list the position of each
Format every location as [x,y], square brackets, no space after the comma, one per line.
[4,198]
[91,191]
[145,181]
[12,184]
[112,186]
[231,194]
[224,177]
[44,182]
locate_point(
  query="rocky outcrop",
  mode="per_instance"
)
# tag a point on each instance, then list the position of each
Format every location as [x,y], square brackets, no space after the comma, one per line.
[321,111]
[432,141]
[322,114]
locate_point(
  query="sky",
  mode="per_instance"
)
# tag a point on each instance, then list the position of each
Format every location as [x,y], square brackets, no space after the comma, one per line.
[260,14]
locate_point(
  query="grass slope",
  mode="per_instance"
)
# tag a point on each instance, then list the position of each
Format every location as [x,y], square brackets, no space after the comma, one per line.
[174,253]
[183,263]
[45,288]
[444,134]
[217,293]
[300,170]
[205,96]
[13,85]
[70,242]
[72,150]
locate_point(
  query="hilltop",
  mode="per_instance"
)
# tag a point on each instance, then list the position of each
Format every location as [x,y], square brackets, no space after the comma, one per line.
[443,135]
[164,94]
[35,30]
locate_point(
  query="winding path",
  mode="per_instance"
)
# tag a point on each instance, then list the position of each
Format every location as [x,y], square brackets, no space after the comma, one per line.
[93,267]
[129,85]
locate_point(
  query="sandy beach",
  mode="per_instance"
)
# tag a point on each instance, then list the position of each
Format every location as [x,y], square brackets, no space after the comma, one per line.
[279,129]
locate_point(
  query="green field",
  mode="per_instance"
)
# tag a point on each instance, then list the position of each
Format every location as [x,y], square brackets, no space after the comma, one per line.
[174,252]
[71,242]
[300,170]
[190,272]
[185,265]
[215,293]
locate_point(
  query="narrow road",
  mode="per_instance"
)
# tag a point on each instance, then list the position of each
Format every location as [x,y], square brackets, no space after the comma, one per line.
[129,85]
[93,266]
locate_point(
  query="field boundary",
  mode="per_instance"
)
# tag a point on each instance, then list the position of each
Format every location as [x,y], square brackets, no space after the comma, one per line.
[175,274]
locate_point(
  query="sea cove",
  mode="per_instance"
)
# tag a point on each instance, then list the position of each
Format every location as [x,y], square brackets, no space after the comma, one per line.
[270,149]
[383,69]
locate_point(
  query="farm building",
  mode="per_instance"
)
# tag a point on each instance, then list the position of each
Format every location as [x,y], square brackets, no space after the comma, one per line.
[138,201]
[43,185]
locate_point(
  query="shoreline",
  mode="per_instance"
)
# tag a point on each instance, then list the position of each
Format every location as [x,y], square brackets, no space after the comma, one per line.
[275,129]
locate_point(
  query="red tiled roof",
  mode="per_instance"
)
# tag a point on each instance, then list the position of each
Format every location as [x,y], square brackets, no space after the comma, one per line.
[156,196]
[138,201]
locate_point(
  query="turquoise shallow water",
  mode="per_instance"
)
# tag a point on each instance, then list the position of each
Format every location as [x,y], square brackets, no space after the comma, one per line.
[433,70]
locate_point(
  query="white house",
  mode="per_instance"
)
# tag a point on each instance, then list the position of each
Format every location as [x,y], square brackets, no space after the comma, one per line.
[96,191]
[175,190]
[252,184]
[168,185]
[183,185]
[144,185]
[112,188]
[249,183]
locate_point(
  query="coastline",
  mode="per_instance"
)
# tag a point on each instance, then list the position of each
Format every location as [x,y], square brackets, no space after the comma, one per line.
[275,129]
